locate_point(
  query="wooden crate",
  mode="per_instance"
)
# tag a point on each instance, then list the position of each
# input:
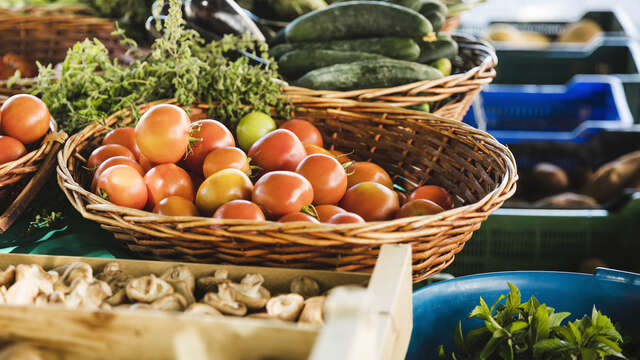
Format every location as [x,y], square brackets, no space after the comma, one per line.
[374,323]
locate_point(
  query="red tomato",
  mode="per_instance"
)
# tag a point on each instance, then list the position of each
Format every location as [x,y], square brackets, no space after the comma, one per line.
[125,136]
[367,171]
[225,158]
[304,130]
[144,161]
[419,207]
[214,135]
[105,152]
[25,118]
[325,212]
[346,218]
[298,217]
[175,206]
[341,157]
[167,180]
[278,150]
[162,133]
[224,186]
[433,193]
[402,197]
[327,177]
[282,192]
[240,209]
[116,160]
[123,186]
[15,62]
[314,149]
[10,149]
[371,200]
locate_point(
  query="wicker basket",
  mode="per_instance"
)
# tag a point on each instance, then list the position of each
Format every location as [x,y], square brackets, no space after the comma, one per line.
[415,147]
[21,179]
[46,33]
[450,97]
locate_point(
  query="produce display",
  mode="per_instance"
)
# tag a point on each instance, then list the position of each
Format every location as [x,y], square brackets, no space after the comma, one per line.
[24,121]
[10,64]
[531,330]
[172,166]
[366,44]
[582,31]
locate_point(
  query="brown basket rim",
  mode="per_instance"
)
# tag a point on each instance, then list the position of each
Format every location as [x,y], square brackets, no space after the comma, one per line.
[74,190]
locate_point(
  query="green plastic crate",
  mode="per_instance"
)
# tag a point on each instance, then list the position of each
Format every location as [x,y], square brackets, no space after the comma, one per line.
[527,239]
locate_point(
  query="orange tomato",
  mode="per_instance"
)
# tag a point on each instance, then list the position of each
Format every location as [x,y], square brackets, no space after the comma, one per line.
[214,135]
[175,206]
[239,209]
[298,217]
[325,212]
[116,160]
[10,149]
[220,188]
[346,218]
[278,150]
[105,152]
[315,149]
[419,207]
[125,136]
[168,180]
[433,193]
[225,158]
[123,186]
[162,133]
[327,177]
[367,171]
[282,192]
[371,200]
[25,118]
[304,130]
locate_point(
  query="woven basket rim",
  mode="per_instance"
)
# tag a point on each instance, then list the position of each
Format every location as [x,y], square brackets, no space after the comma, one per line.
[68,183]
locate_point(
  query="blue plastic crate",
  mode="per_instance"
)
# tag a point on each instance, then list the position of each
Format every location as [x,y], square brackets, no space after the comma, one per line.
[573,112]
[438,308]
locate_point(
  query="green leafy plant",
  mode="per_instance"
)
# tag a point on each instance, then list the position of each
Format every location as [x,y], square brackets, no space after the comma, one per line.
[532,330]
[88,86]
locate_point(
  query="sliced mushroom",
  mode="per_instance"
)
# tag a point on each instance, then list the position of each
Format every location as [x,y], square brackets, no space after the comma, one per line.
[225,301]
[7,276]
[181,287]
[20,351]
[180,273]
[23,292]
[172,302]
[147,289]
[305,286]
[251,292]
[312,311]
[210,283]
[69,273]
[203,309]
[285,307]
[45,280]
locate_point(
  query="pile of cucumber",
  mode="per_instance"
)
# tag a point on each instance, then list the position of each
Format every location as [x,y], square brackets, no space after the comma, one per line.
[365,44]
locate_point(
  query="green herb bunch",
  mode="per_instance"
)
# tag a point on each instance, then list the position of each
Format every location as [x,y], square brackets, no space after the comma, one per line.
[533,331]
[89,86]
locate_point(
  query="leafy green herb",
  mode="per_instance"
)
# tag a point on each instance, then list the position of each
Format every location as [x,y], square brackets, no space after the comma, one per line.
[533,331]
[45,219]
[90,86]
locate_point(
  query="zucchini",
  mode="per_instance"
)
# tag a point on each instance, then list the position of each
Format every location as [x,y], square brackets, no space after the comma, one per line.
[298,62]
[392,47]
[429,6]
[358,19]
[367,74]
[443,47]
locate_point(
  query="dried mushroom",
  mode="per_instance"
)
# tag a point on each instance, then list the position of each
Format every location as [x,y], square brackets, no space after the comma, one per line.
[305,286]
[225,301]
[119,297]
[147,289]
[41,300]
[210,283]
[97,292]
[69,273]
[20,351]
[285,307]
[251,292]
[183,289]
[140,306]
[44,279]
[180,273]
[172,302]
[7,275]
[112,275]
[3,292]
[23,292]
[262,315]
[202,309]
[312,311]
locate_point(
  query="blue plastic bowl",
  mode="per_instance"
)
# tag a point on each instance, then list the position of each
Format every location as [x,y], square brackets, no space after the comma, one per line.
[438,308]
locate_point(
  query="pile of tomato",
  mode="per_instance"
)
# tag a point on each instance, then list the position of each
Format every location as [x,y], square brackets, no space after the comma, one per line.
[24,121]
[171,166]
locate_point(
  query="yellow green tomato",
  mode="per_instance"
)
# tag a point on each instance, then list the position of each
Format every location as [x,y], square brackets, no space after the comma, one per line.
[252,127]
[220,188]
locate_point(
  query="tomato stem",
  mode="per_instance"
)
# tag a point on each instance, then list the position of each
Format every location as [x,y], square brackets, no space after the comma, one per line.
[310,210]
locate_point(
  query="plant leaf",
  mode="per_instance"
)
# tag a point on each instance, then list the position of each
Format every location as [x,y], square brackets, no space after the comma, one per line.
[608,343]
[577,335]
[491,346]
[441,353]
[555,319]
[552,346]
[565,333]
[514,297]
[458,339]
[496,303]
[589,354]
[541,322]
[612,333]
[474,337]
[518,325]
[481,311]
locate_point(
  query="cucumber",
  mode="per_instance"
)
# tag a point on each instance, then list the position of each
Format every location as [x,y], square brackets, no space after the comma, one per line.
[429,6]
[436,19]
[298,62]
[443,47]
[278,38]
[414,5]
[396,48]
[358,19]
[367,74]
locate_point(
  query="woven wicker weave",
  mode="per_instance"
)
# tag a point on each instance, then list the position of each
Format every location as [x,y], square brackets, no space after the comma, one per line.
[416,148]
[450,97]
[46,33]
[13,174]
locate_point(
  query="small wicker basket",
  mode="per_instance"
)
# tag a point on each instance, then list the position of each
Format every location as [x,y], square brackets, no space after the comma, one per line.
[415,147]
[21,179]
[450,97]
[46,33]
